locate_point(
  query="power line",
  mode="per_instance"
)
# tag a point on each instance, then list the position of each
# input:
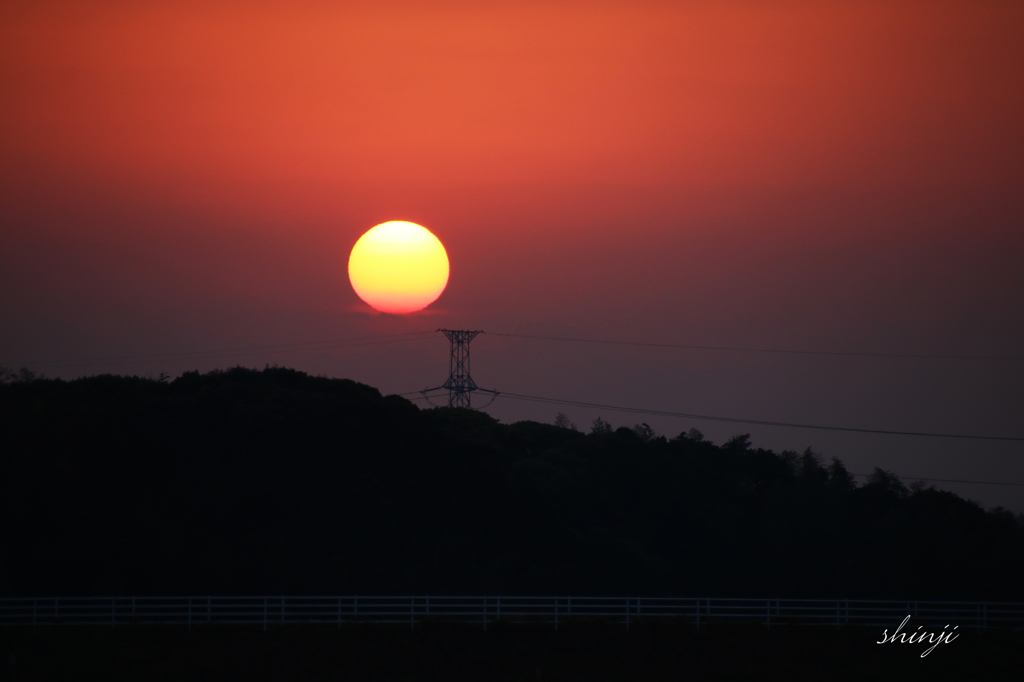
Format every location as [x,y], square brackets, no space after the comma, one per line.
[759,422]
[946,480]
[763,350]
[251,350]
[904,477]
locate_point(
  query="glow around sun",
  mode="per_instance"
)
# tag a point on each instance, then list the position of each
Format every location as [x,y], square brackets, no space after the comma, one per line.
[398,267]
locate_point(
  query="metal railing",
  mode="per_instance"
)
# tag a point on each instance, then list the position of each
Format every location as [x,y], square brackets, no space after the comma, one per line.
[281,610]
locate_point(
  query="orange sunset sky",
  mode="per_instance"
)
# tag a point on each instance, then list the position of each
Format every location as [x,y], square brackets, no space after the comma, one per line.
[186,180]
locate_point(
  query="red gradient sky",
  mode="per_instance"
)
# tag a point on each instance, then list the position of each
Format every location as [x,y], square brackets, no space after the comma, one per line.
[189,177]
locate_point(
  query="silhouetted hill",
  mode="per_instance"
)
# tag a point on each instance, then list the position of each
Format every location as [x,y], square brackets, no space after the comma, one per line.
[254,482]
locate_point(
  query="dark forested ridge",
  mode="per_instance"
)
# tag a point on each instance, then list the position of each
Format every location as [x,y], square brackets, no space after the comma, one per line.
[257,482]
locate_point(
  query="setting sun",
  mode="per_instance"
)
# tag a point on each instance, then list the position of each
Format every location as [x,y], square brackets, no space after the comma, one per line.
[398,267]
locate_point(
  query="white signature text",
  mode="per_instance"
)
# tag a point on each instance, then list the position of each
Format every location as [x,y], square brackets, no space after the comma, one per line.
[933,638]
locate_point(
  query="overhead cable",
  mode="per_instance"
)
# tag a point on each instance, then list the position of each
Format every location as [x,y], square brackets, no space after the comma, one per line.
[946,480]
[251,350]
[761,350]
[759,422]
[658,412]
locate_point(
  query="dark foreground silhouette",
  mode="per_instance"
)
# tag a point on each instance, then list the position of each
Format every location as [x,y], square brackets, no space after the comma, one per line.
[275,482]
[444,652]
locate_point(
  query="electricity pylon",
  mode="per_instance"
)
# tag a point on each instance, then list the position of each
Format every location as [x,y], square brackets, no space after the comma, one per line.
[460,384]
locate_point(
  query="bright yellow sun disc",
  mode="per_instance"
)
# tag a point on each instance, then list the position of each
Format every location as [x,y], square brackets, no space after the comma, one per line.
[398,267]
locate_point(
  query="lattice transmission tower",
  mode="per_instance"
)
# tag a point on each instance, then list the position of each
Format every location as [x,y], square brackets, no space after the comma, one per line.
[460,384]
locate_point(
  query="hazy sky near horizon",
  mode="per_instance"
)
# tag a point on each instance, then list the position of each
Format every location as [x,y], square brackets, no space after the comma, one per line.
[188,178]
